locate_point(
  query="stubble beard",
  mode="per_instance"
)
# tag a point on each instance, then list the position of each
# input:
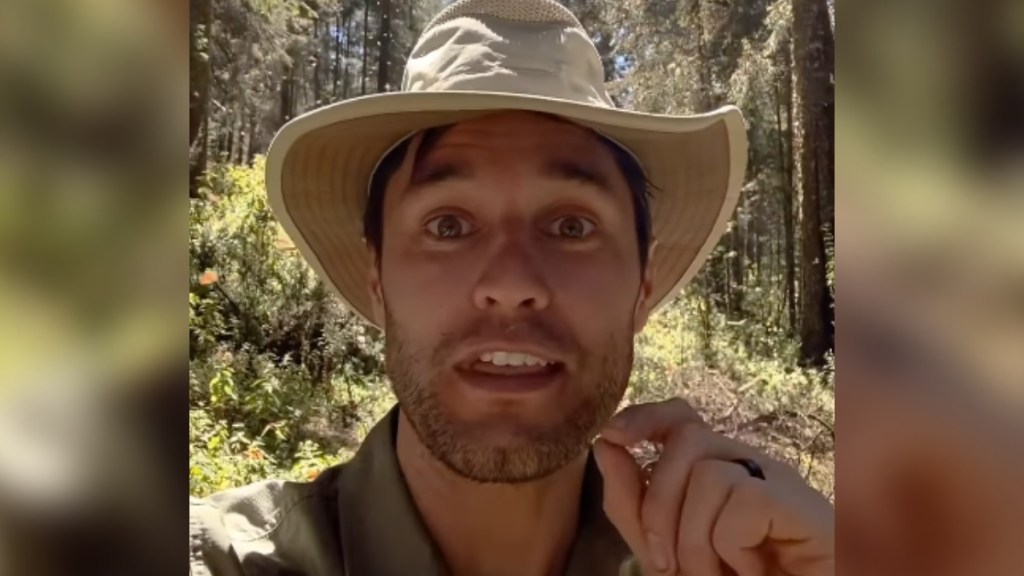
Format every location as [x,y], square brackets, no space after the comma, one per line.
[415,374]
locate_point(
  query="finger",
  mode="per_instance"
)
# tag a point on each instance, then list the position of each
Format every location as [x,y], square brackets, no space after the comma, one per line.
[669,484]
[663,499]
[623,490]
[711,482]
[653,422]
[743,525]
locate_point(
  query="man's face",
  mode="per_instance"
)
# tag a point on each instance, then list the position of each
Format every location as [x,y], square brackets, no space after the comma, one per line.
[510,287]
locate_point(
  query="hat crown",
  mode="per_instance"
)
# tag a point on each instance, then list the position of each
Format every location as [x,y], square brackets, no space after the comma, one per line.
[528,47]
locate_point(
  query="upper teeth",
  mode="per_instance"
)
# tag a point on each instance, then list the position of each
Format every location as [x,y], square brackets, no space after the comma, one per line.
[512,359]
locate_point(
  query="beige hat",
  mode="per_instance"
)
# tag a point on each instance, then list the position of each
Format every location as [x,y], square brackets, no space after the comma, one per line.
[475,58]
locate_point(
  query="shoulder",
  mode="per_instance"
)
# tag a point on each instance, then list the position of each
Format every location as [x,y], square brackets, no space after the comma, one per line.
[254,529]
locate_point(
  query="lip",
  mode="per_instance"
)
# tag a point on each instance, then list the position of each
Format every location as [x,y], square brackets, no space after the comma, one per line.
[470,353]
[516,381]
[512,384]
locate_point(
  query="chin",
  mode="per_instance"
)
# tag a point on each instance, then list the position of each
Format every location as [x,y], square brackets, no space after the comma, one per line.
[506,430]
[505,457]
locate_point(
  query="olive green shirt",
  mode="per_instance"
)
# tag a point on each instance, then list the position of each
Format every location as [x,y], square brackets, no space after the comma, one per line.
[358,519]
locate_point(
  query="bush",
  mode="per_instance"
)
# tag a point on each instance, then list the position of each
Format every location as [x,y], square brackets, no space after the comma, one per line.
[278,372]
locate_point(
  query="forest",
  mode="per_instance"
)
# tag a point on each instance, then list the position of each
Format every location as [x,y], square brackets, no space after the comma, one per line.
[284,382]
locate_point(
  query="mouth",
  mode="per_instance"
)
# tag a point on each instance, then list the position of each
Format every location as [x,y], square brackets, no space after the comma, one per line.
[510,371]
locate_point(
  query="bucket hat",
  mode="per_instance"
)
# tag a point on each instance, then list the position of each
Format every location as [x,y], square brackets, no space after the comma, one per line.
[475,58]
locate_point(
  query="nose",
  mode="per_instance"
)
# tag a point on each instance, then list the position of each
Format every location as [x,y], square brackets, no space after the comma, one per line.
[512,281]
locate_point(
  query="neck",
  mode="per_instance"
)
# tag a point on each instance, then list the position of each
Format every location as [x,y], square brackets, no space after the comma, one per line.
[494,529]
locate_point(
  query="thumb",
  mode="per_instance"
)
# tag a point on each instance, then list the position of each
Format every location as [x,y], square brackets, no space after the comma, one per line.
[623,494]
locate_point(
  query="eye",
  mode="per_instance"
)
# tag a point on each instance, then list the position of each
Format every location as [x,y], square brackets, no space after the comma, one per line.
[449,226]
[572,227]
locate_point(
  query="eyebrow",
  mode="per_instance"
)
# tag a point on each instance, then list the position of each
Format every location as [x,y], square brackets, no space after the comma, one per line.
[426,174]
[574,171]
[565,169]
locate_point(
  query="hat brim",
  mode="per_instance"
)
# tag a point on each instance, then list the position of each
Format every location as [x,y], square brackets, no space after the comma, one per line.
[319,167]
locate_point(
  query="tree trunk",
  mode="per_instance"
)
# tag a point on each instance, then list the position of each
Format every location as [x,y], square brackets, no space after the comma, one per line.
[826,124]
[704,90]
[736,266]
[348,54]
[812,77]
[235,154]
[384,57]
[287,95]
[254,137]
[200,17]
[754,247]
[314,62]
[786,205]
[229,144]
[791,185]
[705,330]
[243,150]
[826,155]
[336,69]
[366,44]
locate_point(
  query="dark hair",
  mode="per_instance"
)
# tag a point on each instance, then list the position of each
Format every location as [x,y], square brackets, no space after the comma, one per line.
[373,217]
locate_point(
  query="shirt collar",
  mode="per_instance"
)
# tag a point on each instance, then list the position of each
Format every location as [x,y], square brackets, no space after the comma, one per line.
[382,532]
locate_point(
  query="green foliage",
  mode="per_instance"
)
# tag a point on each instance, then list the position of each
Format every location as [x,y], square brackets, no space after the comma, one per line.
[222,455]
[278,372]
[682,341]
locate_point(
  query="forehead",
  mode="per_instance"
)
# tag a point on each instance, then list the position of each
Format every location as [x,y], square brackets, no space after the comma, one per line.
[524,134]
[506,147]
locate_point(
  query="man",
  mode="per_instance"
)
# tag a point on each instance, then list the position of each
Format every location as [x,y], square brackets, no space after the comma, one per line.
[493,219]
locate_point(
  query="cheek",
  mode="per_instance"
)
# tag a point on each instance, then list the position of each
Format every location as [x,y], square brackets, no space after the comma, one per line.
[603,275]
[425,290]
[595,282]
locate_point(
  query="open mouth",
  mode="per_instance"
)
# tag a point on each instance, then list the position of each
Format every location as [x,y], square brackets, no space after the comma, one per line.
[510,371]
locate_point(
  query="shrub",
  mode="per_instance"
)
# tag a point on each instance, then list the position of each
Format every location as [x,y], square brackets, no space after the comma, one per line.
[278,371]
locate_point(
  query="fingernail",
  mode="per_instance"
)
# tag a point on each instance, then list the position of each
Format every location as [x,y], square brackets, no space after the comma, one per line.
[659,556]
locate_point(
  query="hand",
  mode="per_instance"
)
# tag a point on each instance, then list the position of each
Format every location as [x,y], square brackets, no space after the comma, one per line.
[702,514]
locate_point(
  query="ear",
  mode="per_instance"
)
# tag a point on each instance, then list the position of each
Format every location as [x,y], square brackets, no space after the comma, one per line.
[375,288]
[642,310]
